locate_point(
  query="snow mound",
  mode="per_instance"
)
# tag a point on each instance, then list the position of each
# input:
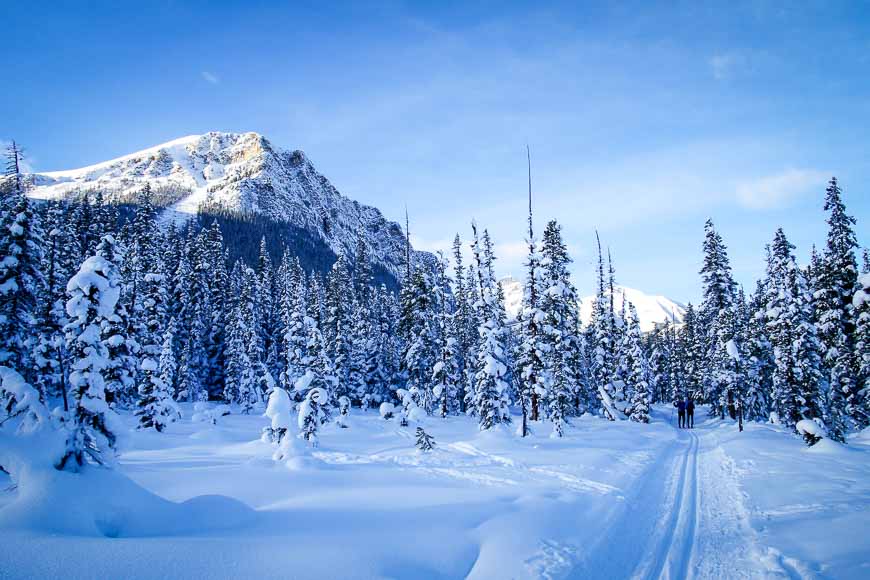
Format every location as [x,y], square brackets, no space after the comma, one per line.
[104,502]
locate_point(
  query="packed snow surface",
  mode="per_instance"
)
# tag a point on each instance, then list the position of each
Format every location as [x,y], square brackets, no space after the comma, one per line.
[609,500]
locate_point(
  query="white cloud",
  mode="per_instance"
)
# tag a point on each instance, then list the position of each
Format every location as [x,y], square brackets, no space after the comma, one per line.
[210,77]
[780,189]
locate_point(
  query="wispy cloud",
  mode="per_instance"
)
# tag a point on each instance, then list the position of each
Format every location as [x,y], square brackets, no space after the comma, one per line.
[210,77]
[780,189]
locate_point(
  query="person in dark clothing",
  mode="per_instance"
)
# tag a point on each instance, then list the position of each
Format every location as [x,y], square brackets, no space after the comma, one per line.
[690,413]
[681,412]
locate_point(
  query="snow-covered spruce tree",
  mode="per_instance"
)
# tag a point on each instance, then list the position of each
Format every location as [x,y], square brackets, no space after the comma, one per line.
[105,217]
[417,329]
[93,298]
[358,349]
[155,406]
[759,359]
[269,321]
[295,339]
[601,341]
[463,327]
[312,415]
[660,362]
[533,378]
[21,282]
[690,347]
[834,286]
[797,375]
[638,377]
[50,352]
[140,239]
[861,304]
[716,316]
[490,402]
[122,349]
[84,239]
[241,378]
[214,254]
[338,324]
[167,363]
[384,367]
[560,328]
[445,373]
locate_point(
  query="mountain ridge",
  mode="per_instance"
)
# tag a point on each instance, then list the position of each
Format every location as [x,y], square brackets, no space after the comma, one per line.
[238,174]
[652,310]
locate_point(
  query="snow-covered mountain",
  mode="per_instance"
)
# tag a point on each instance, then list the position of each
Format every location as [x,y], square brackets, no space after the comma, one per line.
[239,174]
[651,310]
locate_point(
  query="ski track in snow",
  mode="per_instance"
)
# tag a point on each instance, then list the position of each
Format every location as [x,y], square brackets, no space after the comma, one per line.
[686,518]
[672,510]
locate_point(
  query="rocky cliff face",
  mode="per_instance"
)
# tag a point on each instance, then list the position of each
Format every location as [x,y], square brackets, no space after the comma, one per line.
[243,175]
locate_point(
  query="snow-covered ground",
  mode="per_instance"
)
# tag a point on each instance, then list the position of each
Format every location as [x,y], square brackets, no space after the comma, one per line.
[610,500]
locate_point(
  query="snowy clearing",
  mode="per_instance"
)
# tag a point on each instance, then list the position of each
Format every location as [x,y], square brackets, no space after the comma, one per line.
[609,500]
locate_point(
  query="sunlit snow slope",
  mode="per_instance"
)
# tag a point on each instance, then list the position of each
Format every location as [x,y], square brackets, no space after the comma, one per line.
[651,310]
[240,174]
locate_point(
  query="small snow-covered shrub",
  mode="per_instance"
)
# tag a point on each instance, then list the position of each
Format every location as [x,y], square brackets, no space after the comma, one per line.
[425,442]
[312,414]
[387,411]
[203,413]
[343,412]
[278,411]
[20,400]
[812,430]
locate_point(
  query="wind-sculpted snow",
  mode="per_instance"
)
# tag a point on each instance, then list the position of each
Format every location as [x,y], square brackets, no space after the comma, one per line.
[240,174]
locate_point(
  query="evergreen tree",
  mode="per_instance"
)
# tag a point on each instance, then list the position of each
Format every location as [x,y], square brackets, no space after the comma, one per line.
[602,339]
[312,414]
[464,327]
[638,377]
[834,286]
[425,442]
[560,328]
[155,407]
[489,402]
[534,382]
[50,353]
[167,363]
[21,283]
[861,304]
[446,377]
[416,327]
[93,297]
[797,375]
[760,359]
[716,322]
[122,349]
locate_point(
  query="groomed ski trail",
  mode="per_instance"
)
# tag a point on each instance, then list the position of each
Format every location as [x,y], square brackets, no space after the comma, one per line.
[684,518]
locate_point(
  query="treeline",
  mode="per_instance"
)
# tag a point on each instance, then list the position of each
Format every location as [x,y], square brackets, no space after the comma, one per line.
[102,310]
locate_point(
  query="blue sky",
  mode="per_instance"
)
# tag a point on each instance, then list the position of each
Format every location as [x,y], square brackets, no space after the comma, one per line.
[643,119]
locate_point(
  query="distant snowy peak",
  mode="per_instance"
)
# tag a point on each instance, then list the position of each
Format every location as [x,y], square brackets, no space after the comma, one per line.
[651,310]
[239,173]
